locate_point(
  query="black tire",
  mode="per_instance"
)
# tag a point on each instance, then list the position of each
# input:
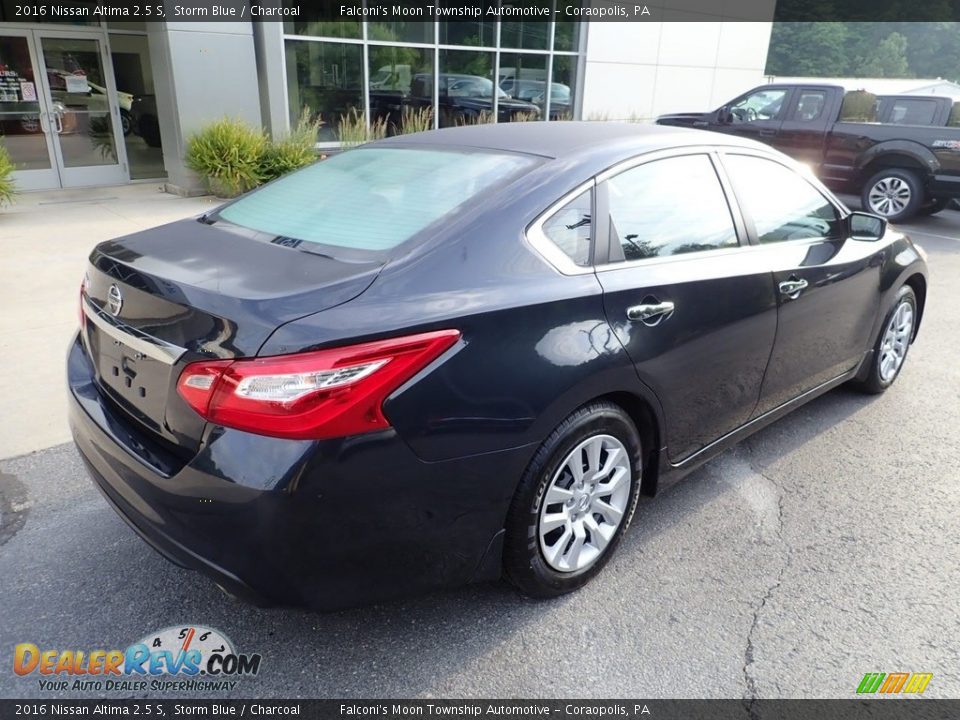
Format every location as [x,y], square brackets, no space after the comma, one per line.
[876,382]
[525,565]
[126,122]
[935,206]
[899,178]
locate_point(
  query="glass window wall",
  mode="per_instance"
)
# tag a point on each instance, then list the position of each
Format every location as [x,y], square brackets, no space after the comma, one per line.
[447,74]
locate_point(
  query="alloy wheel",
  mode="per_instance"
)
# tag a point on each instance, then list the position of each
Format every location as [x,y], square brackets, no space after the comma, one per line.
[896,339]
[584,504]
[889,196]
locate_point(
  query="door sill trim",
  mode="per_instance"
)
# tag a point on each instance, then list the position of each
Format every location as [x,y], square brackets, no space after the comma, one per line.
[761,420]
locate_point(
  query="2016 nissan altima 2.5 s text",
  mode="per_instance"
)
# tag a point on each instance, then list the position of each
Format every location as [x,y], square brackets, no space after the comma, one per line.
[462,354]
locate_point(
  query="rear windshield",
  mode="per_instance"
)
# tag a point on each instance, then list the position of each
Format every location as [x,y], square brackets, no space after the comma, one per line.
[372,198]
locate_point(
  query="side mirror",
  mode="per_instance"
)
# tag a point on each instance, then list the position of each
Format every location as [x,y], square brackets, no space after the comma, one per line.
[864,226]
[723,115]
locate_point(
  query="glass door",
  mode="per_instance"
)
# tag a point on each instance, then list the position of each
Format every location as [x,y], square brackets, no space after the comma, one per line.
[83,115]
[24,130]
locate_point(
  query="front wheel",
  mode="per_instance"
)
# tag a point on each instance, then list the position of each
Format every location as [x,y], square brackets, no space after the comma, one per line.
[893,343]
[894,194]
[574,502]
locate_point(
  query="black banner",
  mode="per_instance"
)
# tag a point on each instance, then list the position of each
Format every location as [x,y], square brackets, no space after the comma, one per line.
[879,709]
[83,11]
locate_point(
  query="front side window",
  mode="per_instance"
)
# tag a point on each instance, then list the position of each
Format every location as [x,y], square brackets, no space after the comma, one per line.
[570,229]
[374,198]
[668,207]
[760,105]
[781,202]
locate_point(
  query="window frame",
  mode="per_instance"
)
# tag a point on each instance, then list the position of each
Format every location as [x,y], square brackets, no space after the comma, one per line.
[747,239]
[843,213]
[550,251]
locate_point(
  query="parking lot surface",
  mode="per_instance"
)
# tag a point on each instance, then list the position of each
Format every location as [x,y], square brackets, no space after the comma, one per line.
[820,549]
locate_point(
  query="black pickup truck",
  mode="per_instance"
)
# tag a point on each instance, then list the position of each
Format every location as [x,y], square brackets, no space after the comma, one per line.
[899,170]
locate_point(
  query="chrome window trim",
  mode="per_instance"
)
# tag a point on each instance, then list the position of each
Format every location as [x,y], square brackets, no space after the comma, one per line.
[121,333]
[707,254]
[546,248]
[561,262]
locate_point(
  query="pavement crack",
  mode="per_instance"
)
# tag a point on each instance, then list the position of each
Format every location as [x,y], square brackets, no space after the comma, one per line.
[750,682]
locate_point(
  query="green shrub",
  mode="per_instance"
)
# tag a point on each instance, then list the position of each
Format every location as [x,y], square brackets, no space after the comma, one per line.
[7,188]
[229,154]
[353,129]
[954,120]
[859,106]
[293,152]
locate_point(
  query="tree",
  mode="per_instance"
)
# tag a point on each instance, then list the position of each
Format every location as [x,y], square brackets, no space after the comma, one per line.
[886,60]
[816,49]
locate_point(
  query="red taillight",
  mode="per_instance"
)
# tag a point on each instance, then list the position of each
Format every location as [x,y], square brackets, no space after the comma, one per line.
[321,394]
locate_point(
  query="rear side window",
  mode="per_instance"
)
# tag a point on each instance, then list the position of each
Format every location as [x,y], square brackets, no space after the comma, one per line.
[668,207]
[781,202]
[810,105]
[570,229]
[372,198]
[913,112]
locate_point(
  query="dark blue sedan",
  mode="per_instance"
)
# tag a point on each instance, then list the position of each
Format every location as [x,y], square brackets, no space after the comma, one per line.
[462,354]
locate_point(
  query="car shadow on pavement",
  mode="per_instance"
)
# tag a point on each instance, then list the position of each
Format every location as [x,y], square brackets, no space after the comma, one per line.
[428,644]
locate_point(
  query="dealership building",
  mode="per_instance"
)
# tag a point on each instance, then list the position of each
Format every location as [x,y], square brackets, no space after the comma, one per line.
[87,101]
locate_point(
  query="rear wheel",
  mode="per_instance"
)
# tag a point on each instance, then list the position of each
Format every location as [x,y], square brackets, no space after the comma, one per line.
[574,503]
[894,194]
[892,344]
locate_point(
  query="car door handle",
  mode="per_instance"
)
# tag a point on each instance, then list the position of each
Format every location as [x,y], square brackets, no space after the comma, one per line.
[650,313]
[793,288]
[768,133]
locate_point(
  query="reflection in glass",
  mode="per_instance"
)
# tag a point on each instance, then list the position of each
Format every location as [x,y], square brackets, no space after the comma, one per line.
[465,88]
[316,22]
[20,129]
[783,205]
[81,110]
[325,77]
[393,72]
[646,220]
[566,35]
[467,33]
[530,35]
[135,94]
[570,229]
[400,31]
[524,78]
[561,92]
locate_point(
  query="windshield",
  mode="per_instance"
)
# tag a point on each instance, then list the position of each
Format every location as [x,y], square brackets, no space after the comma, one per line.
[372,198]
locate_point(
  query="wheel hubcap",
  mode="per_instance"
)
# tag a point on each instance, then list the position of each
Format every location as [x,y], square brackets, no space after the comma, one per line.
[889,196]
[584,504]
[896,339]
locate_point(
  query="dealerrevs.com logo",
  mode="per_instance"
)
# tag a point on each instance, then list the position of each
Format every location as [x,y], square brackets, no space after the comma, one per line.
[183,658]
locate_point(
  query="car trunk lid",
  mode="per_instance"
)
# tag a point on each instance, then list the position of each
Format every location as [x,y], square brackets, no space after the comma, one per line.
[157,300]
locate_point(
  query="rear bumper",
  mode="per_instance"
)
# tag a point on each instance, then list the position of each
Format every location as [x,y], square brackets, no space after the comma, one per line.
[327,524]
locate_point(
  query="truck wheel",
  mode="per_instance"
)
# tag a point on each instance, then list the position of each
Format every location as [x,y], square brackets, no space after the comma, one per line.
[894,194]
[935,206]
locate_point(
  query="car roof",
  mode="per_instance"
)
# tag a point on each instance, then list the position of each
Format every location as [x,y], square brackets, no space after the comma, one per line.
[567,138]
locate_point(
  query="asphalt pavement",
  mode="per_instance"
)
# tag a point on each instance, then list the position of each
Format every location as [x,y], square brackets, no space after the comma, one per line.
[820,549]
